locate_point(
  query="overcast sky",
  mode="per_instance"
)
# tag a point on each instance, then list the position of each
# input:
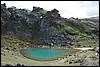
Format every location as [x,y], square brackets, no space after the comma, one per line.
[67,9]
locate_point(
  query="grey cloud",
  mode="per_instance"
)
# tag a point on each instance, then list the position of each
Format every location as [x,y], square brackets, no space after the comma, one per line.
[91,7]
[92,13]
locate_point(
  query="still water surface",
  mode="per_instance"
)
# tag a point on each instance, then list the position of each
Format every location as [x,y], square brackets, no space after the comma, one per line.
[44,53]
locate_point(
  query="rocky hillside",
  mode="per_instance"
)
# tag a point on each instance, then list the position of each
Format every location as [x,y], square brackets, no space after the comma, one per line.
[93,19]
[47,27]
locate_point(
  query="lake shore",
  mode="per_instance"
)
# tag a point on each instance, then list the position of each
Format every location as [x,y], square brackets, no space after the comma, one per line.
[10,54]
[13,58]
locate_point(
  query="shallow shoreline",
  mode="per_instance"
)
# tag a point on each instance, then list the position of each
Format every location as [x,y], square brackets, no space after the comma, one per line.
[12,57]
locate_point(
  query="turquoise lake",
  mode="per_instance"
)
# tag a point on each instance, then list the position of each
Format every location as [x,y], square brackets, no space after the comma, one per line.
[45,53]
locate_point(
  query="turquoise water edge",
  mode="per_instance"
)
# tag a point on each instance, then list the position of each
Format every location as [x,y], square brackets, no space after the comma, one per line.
[44,53]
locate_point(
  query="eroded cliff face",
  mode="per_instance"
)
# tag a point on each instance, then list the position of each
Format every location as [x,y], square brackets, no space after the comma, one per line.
[47,26]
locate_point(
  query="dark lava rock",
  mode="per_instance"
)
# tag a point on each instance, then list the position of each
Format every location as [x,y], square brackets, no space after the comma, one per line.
[23,65]
[3,7]
[18,64]
[46,26]
[7,48]
[8,65]
[70,62]
[93,57]
[69,55]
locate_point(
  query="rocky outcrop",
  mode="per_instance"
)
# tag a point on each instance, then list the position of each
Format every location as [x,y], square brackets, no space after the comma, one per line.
[46,26]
